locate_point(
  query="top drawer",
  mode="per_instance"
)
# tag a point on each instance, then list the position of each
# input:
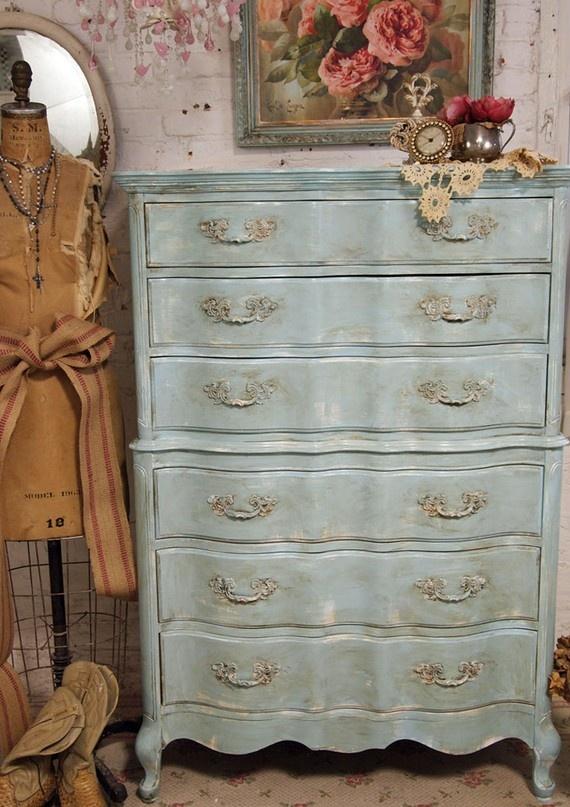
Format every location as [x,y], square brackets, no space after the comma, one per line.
[372,231]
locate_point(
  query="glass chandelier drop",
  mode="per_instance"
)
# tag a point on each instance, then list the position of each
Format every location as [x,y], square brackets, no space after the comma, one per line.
[162,29]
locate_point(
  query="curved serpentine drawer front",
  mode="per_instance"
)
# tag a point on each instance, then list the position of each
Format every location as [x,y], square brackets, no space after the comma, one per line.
[296,395]
[254,674]
[289,506]
[265,233]
[445,589]
[484,309]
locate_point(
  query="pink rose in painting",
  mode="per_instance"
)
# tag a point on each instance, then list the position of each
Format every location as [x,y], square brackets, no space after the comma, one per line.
[494,110]
[431,9]
[457,110]
[349,13]
[307,25]
[346,75]
[396,32]
[456,46]
[268,10]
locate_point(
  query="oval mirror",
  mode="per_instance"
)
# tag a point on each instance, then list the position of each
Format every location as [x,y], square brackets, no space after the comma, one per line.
[79,113]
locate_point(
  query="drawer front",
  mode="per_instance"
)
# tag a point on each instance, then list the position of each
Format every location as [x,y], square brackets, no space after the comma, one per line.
[277,506]
[272,674]
[339,311]
[365,231]
[319,395]
[447,589]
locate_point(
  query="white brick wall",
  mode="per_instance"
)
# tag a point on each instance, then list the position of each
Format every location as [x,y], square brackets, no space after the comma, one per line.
[162,127]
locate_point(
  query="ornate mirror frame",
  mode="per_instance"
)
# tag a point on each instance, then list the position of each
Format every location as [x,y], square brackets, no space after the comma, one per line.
[40,25]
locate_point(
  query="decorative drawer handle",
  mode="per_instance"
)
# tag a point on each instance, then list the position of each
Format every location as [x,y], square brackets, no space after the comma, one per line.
[479,227]
[220,393]
[263,673]
[433,674]
[432,588]
[223,506]
[219,309]
[436,506]
[436,392]
[437,308]
[256,229]
[225,587]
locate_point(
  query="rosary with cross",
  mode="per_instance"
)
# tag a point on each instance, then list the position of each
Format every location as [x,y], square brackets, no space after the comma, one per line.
[31,210]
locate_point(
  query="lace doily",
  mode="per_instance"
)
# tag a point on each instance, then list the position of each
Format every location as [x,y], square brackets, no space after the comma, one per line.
[440,182]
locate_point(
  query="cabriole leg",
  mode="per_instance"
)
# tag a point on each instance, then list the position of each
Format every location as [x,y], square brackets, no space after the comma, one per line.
[546,750]
[148,748]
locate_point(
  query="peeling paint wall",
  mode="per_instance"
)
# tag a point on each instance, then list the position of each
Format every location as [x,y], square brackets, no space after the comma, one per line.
[185,121]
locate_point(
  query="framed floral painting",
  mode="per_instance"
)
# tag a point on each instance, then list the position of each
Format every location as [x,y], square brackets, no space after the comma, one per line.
[343,71]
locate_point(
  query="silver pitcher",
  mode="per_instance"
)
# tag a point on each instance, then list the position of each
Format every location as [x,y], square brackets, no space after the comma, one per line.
[479,142]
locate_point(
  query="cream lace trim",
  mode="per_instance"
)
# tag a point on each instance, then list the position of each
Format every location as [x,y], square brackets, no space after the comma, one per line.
[440,182]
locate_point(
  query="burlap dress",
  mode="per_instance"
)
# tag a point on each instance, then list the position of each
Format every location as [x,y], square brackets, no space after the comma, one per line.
[57,447]
[40,496]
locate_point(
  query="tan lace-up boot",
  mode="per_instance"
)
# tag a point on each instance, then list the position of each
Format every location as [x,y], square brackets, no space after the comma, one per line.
[27,776]
[97,690]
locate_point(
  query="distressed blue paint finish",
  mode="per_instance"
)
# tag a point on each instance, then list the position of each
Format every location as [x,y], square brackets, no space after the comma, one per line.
[325,506]
[385,531]
[341,232]
[305,312]
[309,395]
[362,588]
[343,671]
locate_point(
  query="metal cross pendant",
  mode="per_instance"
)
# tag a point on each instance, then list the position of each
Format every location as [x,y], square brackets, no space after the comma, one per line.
[38,279]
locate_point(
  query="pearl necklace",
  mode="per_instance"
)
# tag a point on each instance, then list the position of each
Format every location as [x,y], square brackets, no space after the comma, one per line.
[32,210]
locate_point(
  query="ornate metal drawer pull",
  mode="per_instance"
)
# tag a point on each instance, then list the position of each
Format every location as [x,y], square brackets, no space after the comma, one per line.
[219,309]
[225,587]
[432,588]
[437,308]
[220,393]
[256,229]
[479,227]
[433,674]
[263,673]
[223,506]
[436,506]
[436,392]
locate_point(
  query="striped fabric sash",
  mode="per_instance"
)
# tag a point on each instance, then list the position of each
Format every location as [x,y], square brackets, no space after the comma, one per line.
[78,349]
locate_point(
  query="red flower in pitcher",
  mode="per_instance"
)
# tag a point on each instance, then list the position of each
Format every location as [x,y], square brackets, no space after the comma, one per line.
[457,110]
[492,110]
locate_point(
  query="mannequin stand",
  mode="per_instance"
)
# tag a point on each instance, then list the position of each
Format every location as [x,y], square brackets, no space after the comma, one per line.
[61,656]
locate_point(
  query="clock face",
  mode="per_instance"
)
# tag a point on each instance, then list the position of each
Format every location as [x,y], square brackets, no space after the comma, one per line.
[431,141]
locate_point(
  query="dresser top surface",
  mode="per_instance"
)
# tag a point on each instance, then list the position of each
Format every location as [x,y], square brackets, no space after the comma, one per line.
[278,179]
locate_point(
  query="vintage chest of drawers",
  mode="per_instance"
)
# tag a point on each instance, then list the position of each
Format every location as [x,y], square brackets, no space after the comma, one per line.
[348,462]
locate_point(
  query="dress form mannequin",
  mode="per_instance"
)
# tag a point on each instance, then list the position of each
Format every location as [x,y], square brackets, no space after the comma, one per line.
[54,268]
[61,439]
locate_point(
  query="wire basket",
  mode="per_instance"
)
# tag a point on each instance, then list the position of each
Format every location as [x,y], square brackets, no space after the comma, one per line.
[58,615]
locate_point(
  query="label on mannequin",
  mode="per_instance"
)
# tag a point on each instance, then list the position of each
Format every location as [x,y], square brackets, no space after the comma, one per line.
[25,140]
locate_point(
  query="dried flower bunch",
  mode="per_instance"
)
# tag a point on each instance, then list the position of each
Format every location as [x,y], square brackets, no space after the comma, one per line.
[560,677]
[365,49]
[463,109]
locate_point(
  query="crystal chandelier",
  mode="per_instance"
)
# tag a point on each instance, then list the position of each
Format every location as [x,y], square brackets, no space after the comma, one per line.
[158,29]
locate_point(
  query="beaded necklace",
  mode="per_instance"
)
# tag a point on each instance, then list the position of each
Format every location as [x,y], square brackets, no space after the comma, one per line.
[32,210]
